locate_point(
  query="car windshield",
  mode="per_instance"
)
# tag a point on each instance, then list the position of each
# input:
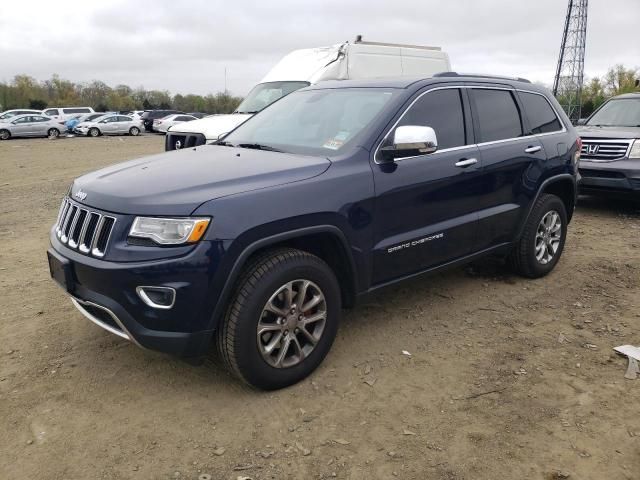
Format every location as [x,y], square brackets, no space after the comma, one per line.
[622,112]
[313,122]
[6,115]
[264,94]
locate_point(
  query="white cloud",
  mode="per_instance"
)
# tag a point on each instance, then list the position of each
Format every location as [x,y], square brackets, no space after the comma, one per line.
[185,46]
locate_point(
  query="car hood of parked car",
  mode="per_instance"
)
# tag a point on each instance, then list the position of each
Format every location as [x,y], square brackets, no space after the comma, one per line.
[212,127]
[177,182]
[608,132]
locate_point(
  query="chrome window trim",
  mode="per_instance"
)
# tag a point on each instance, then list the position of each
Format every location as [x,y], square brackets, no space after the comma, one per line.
[124,333]
[481,144]
[145,298]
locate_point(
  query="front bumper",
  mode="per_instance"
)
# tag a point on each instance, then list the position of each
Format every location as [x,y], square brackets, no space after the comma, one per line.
[105,293]
[618,176]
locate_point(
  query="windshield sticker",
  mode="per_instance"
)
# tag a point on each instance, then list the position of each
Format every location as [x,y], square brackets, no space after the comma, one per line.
[341,136]
[333,144]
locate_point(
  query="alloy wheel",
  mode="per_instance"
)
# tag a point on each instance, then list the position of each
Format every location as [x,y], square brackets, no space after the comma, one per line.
[548,237]
[291,323]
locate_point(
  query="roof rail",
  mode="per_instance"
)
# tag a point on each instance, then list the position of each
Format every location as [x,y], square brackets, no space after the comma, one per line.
[384,44]
[478,75]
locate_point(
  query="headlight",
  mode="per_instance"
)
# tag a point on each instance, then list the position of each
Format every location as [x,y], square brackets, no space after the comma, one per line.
[169,231]
[635,150]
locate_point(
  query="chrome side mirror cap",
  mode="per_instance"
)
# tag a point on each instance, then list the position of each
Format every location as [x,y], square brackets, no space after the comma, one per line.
[411,141]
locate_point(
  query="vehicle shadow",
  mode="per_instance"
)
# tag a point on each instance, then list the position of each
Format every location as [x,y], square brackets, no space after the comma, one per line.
[609,204]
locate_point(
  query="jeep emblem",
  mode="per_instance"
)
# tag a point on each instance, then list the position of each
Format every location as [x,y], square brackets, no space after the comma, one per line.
[593,149]
[178,145]
[80,194]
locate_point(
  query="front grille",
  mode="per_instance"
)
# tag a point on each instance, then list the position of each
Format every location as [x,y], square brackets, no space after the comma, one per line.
[603,150]
[587,172]
[83,229]
[177,141]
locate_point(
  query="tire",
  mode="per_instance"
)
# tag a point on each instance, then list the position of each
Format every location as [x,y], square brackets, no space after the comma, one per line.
[134,131]
[53,133]
[541,245]
[93,132]
[5,134]
[244,351]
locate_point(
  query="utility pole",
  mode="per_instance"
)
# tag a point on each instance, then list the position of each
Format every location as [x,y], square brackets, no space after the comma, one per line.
[567,85]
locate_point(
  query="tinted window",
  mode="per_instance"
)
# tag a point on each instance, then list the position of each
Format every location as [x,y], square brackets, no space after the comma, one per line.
[76,110]
[51,111]
[40,119]
[122,118]
[23,120]
[542,118]
[442,111]
[183,118]
[498,115]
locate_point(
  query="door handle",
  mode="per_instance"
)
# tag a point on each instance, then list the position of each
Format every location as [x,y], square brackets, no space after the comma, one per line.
[533,149]
[466,162]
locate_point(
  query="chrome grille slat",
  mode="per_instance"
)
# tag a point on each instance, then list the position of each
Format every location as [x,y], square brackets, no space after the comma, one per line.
[83,229]
[606,149]
[71,216]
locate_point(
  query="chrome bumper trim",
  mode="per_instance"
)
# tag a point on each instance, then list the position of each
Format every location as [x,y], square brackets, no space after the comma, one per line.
[123,333]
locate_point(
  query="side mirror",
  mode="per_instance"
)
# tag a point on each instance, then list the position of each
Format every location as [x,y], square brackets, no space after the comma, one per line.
[581,121]
[410,141]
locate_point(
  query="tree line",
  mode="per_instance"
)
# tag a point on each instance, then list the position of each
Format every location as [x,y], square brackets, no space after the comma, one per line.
[27,92]
[618,80]
[24,91]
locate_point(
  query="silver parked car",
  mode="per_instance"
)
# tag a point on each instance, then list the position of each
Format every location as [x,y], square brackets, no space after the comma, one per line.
[29,126]
[111,124]
[5,116]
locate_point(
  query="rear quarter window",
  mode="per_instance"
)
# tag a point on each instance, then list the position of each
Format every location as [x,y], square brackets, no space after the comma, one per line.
[541,117]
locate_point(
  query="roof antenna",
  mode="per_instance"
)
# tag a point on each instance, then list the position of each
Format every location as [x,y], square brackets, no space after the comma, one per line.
[358,38]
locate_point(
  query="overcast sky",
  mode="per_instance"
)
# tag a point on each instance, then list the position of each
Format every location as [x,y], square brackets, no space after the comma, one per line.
[184,46]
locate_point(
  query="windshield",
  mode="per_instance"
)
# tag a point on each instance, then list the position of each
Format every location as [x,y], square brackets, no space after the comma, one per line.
[6,115]
[314,122]
[264,94]
[623,112]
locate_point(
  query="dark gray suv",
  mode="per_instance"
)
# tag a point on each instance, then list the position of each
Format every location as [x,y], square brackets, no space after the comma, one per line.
[610,157]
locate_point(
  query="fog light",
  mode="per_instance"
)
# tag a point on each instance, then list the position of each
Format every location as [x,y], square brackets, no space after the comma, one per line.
[157,297]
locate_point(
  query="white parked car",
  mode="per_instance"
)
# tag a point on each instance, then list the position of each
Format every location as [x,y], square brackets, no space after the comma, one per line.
[31,125]
[62,114]
[304,67]
[20,111]
[161,125]
[112,124]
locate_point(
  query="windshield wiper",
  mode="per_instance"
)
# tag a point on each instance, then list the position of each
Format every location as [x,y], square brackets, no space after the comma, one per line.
[248,113]
[223,143]
[258,146]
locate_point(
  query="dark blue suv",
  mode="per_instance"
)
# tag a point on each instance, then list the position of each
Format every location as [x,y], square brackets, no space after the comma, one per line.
[255,244]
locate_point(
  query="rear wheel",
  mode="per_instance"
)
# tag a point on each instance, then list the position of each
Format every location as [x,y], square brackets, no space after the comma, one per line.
[53,133]
[282,319]
[5,134]
[134,131]
[540,247]
[94,132]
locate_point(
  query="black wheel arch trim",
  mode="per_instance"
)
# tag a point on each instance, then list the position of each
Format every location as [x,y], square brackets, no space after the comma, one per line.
[556,178]
[253,247]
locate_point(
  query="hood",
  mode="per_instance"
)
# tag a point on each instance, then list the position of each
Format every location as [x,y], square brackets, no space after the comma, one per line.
[212,127]
[84,124]
[608,132]
[177,182]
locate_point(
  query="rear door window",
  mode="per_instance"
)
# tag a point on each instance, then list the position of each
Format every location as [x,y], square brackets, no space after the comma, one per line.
[542,118]
[51,111]
[498,114]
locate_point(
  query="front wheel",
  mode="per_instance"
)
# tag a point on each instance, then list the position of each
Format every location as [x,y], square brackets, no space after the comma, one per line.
[94,132]
[282,319]
[134,131]
[53,133]
[5,134]
[540,247]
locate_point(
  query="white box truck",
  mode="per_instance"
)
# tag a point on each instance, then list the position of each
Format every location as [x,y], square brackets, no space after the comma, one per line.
[301,68]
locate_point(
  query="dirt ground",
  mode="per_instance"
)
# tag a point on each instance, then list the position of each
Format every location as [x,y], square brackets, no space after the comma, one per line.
[507,378]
